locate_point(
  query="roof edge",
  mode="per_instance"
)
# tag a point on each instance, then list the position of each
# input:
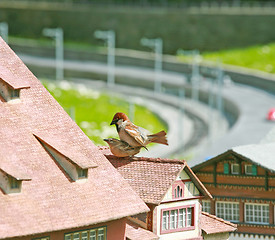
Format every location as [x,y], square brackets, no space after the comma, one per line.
[197,182]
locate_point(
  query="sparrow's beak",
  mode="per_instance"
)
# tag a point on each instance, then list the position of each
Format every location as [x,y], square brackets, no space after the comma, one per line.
[106,140]
[113,122]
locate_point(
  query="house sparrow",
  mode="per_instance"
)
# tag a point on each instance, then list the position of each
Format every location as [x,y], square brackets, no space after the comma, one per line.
[134,135]
[121,149]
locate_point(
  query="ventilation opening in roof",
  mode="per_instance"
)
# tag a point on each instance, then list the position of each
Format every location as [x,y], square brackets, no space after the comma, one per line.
[9,184]
[7,92]
[72,170]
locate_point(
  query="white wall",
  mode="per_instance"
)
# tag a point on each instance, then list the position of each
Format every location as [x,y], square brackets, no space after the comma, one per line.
[184,234]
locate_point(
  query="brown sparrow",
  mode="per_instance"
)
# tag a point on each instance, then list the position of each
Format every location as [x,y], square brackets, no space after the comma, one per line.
[121,149]
[134,135]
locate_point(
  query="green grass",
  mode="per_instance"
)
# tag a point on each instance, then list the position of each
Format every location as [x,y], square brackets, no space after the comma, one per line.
[255,57]
[93,110]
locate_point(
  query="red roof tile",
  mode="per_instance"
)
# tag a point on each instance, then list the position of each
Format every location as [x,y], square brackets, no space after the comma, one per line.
[135,232]
[211,224]
[152,177]
[51,201]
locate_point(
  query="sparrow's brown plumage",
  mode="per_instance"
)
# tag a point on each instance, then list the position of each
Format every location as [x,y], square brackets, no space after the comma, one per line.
[121,149]
[134,135]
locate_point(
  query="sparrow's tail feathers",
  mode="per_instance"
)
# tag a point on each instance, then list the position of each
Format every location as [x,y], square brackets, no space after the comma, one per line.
[159,137]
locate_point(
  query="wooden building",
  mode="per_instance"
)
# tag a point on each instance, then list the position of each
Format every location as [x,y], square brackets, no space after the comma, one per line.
[242,183]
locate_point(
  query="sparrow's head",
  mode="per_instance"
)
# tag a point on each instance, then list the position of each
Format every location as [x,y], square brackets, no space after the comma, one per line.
[110,140]
[119,116]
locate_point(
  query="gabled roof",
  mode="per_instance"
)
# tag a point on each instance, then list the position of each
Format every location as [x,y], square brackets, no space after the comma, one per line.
[51,201]
[152,177]
[262,155]
[211,224]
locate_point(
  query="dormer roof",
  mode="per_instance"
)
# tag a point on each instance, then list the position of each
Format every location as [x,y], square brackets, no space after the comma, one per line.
[10,167]
[12,78]
[64,146]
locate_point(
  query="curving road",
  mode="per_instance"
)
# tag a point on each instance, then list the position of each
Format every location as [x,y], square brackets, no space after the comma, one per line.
[250,127]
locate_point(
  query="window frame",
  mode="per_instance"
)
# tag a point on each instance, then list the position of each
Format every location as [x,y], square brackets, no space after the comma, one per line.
[253,169]
[253,210]
[70,235]
[208,203]
[185,219]
[232,167]
[14,183]
[224,210]
[82,173]
[178,185]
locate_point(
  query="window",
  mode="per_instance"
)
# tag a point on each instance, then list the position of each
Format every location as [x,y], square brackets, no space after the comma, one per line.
[178,189]
[235,168]
[14,183]
[82,173]
[92,234]
[14,93]
[178,219]
[257,213]
[206,206]
[251,170]
[228,211]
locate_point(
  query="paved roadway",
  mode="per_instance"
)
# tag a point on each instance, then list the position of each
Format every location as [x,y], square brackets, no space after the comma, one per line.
[250,127]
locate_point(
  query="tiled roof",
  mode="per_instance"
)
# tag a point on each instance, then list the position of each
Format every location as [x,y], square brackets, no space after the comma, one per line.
[51,201]
[211,224]
[135,232]
[10,76]
[151,177]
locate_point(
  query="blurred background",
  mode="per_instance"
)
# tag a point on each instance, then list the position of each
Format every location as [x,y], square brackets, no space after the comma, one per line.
[193,67]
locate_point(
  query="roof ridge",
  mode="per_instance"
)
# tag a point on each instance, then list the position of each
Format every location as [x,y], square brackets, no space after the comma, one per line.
[219,219]
[146,159]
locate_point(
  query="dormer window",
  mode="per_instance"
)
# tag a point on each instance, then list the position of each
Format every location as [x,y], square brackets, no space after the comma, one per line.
[7,92]
[14,183]
[82,173]
[11,178]
[14,94]
[73,163]
[73,171]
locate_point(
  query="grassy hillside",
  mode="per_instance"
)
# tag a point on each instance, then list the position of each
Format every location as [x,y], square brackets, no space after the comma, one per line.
[93,110]
[261,57]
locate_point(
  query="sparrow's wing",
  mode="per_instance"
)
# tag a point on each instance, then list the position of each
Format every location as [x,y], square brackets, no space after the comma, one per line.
[135,133]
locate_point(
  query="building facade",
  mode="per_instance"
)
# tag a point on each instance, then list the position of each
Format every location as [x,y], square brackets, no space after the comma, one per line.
[242,183]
